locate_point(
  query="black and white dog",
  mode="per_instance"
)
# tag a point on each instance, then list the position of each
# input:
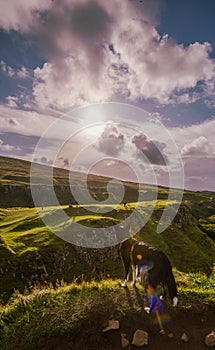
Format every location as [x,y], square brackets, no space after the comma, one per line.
[153,264]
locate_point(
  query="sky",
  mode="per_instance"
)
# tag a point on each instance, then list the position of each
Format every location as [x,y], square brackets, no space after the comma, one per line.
[119,88]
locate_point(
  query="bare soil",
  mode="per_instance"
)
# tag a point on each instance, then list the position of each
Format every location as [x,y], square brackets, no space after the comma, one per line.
[196,323]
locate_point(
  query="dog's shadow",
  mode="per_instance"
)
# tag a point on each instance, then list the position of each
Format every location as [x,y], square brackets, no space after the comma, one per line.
[128,296]
[140,297]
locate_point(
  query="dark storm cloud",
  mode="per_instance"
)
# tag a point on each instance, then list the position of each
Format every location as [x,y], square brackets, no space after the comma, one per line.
[153,150]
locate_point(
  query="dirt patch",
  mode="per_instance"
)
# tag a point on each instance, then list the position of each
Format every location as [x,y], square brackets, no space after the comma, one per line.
[195,323]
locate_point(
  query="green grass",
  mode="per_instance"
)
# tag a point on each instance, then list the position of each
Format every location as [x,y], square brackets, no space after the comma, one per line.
[22,228]
[23,233]
[189,242]
[27,319]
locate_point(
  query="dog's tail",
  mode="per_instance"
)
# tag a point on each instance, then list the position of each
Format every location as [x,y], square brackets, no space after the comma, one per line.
[171,285]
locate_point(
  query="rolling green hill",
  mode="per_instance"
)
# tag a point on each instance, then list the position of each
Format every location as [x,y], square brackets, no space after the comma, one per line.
[70,291]
[30,254]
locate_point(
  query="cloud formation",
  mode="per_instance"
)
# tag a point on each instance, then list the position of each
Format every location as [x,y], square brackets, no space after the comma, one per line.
[24,122]
[43,160]
[194,137]
[4,147]
[196,143]
[199,175]
[152,150]
[21,73]
[95,50]
[21,15]
[111,141]
[198,147]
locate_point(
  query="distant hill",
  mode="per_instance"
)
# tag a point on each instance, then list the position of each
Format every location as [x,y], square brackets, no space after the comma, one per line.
[31,254]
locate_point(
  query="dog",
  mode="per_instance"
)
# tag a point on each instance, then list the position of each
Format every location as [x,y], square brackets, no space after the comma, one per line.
[153,265]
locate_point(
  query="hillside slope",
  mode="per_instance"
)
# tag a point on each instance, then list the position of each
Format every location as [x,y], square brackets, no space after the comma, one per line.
[73,317]
[71,292]
[31,254]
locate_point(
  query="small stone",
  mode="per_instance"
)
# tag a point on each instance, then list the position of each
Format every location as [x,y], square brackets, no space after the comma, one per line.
[112,324]
[124,340]
[147,309]
[140,338]
[210,339]
[184,337]
[170,335]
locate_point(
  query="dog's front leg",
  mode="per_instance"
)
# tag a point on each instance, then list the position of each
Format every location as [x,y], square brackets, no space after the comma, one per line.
[134,275]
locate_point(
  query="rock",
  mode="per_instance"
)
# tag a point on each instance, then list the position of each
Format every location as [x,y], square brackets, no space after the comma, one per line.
[140,338]
[124,340]
[210,339]
[112,324]
[170,335]
[147,309]
[184,337]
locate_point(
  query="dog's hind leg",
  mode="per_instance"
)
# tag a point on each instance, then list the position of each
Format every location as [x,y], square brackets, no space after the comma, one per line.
[125,248]
[143,276]
[172,288]
[126,263]
[125,283]
[164,294]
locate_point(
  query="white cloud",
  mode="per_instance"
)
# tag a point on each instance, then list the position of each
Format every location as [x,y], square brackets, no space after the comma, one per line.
[111,140]
[23,122]
[4,147]
[209,93]
[159,67]
[195,135]
[12,101]
[72,84]
[21,15]
[21,73]
[199,174]
[198,147]
[81,66]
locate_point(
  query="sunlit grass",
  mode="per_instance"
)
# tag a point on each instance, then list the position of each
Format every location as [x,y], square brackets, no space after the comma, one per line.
[50,311]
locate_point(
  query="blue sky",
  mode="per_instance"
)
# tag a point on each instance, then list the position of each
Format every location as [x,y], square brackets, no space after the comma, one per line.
[156,55]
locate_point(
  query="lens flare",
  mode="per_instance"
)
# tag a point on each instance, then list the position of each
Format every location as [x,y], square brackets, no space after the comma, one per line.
[146,267]
[156,308]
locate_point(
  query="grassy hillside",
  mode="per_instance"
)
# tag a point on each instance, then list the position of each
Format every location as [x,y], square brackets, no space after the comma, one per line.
[85,308]
[33,260]
[31,254]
